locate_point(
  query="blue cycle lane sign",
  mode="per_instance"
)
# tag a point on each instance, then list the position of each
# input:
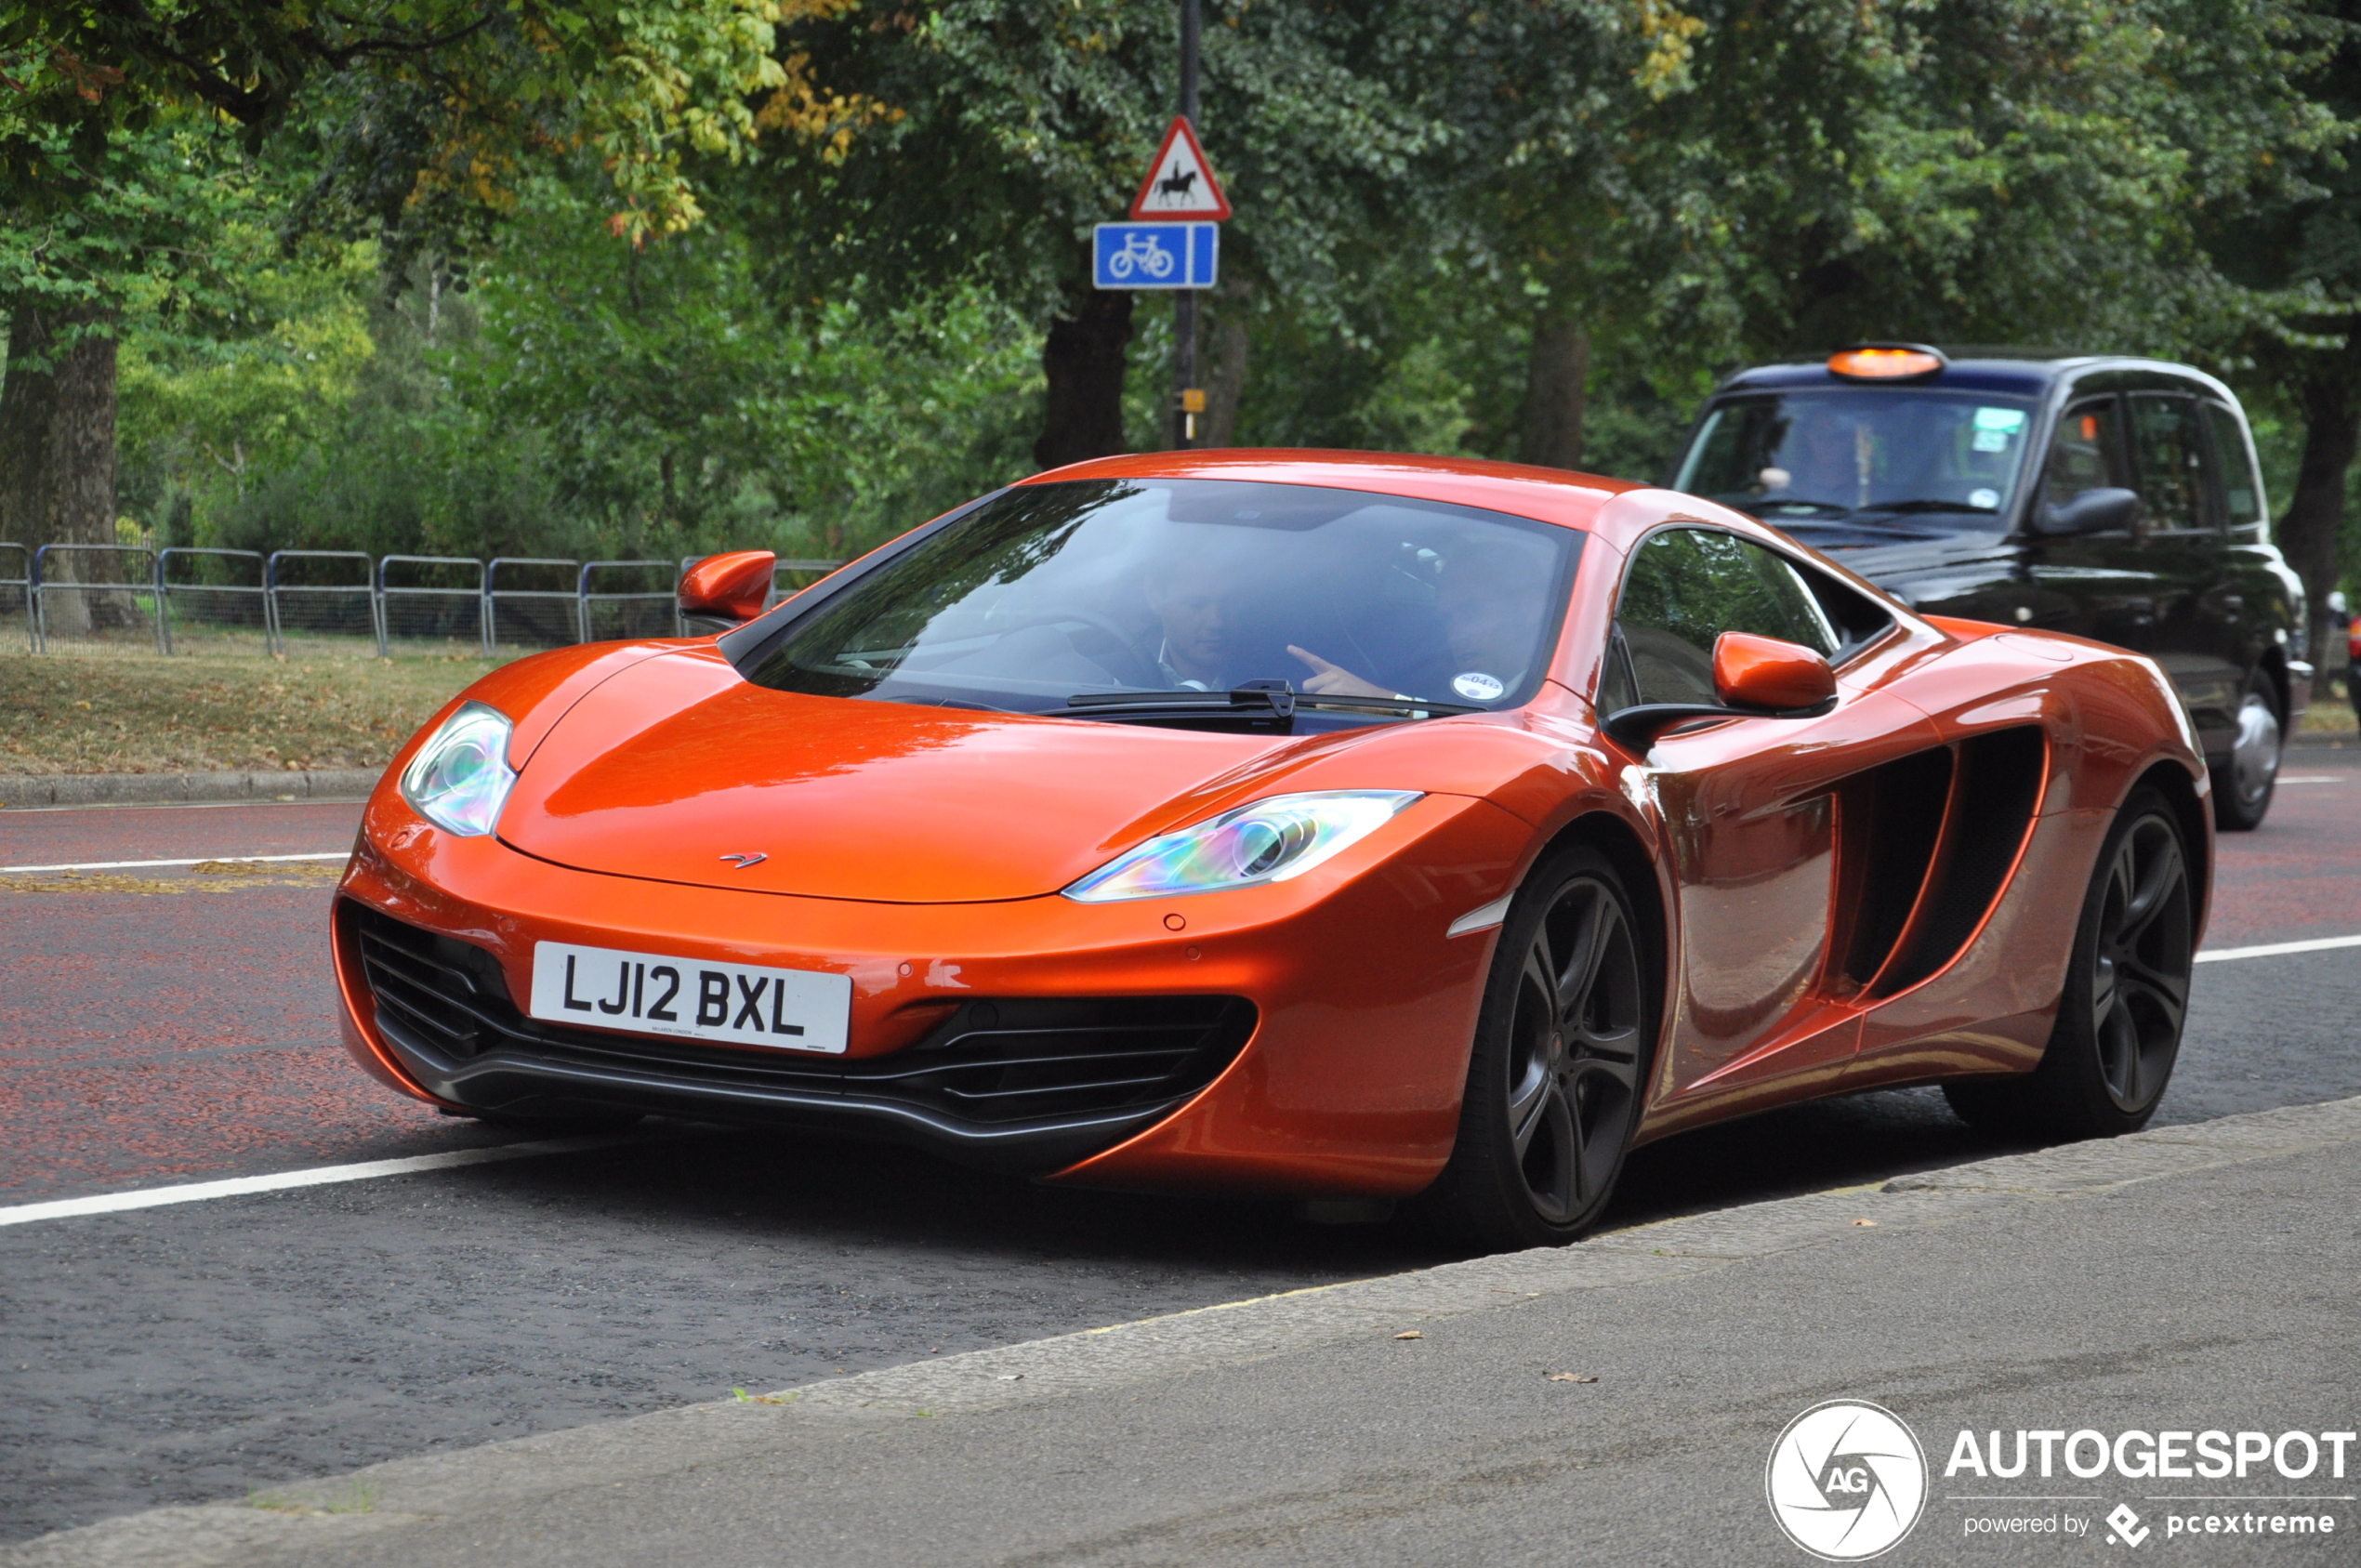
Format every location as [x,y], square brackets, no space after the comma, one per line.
[1162,255]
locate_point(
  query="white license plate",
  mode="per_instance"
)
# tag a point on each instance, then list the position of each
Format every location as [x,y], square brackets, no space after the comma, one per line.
[696,998]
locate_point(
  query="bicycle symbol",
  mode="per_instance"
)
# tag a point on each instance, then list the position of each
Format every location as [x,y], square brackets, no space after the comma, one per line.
[1141,251]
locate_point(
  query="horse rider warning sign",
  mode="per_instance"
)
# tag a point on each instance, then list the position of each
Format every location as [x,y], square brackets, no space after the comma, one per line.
[1179,183]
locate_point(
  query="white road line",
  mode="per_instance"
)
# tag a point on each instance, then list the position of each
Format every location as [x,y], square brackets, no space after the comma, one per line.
[2314,778]
[318,1176]
[144,865]
[2276,949]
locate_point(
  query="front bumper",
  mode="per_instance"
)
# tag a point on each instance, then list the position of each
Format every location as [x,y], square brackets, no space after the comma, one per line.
[1306,1038]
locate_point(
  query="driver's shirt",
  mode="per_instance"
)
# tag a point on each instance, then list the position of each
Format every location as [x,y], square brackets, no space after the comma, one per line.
[1173,678]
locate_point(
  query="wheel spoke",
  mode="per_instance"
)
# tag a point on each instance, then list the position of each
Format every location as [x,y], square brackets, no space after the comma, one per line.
[1580,967]
[1530,1109]
[2152,893]
[1556,1190]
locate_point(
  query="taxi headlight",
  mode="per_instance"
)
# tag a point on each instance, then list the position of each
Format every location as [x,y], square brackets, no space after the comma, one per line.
[460,778]
[1267,841]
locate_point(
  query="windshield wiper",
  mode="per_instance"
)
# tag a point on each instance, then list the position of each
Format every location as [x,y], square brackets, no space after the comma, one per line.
[1276,697]
[1929,507]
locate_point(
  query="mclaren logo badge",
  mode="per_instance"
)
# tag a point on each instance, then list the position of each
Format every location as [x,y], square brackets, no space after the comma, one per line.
[746,858]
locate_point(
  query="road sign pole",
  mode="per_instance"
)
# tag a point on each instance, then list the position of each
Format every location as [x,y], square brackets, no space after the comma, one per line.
[1184,304]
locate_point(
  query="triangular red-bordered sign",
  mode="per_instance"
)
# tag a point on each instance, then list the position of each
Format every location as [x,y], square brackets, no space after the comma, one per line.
[1180,184]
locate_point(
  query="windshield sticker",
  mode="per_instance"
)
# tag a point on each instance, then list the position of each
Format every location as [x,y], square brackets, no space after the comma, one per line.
[1478,687]
[1995,426]
[1988,499]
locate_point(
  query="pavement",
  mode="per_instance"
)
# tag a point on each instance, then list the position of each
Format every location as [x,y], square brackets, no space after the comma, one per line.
[168,1033]
[1613,1401]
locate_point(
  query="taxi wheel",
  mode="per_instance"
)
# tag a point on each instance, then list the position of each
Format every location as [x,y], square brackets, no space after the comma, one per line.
[2242,787]
[2112,1051]
[1561,1052]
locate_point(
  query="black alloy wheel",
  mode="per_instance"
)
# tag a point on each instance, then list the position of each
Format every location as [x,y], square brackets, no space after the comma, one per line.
[1560,1057]
[2112,1051]
[2243,785]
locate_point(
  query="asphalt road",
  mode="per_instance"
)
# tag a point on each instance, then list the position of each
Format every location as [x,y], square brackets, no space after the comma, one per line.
[189,1352]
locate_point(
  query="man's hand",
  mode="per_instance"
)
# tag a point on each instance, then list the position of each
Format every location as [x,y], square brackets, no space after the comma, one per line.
[1329,681]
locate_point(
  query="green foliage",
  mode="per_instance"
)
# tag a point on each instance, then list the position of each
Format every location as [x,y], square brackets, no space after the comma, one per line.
[584,398]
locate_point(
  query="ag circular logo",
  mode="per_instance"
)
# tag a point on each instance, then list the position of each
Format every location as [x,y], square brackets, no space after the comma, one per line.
[1846,1480]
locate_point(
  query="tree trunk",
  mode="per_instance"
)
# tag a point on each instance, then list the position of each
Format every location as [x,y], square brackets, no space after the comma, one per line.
[1557,374]
[2307,534]
[57,455]
[1084,360]
[28,402]
[1226,383]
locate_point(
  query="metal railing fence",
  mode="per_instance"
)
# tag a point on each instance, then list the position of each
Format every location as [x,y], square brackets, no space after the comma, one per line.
[121,596]
[16,587]
[650,609]
[336,614]
[450,612]
[545,612]
[98,596]
[222,608]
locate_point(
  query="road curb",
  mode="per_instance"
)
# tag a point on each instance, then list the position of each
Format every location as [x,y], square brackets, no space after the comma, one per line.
[33,791]
[2325,740]
[495,1478]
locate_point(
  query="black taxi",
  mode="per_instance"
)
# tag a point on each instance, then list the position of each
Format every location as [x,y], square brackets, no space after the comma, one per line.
[2114,498]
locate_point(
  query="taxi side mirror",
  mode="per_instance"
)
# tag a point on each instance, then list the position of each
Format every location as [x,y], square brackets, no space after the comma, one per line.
[1762,672]
[726,590]
[2105,510]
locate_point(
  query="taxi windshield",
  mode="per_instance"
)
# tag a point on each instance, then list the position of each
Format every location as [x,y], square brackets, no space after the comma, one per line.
[1943,460]
[1140,598]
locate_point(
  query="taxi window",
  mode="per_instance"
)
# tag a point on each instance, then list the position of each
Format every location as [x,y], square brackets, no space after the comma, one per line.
[2241,490]
[1684,588]
[2085,453]
[2170,455]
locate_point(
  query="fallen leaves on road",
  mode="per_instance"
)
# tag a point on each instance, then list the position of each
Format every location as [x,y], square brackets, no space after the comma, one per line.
[221,877]
[1865,1222]
[1413,1334]
[1572,1377]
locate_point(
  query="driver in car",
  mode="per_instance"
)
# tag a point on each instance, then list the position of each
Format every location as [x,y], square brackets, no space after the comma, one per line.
[1492,602]
[1193,599]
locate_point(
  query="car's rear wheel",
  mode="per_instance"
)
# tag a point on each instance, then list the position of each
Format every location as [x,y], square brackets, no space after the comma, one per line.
[2242,787]
[1560,1057]
[2112,1051]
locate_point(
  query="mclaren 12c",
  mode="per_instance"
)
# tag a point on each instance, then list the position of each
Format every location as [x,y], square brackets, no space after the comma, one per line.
[1315,825]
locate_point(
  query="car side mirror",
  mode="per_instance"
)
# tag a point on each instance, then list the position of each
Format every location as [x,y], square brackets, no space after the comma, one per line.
[727,590]
[1762,672]
[1754,677]
[2093,511]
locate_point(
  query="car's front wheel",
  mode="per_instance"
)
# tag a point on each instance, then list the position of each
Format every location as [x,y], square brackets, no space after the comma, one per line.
[2112,1051]
[1560,1058]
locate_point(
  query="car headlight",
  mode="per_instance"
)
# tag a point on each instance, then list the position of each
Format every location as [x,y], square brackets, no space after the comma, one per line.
[460,778]
[1268,841]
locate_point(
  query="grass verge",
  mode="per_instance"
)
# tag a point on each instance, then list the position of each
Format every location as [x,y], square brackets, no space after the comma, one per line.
[66,713]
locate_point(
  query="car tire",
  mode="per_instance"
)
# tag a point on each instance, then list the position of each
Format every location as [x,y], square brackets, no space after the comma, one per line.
[2125,1000]
[2243,785]
[1555,1081]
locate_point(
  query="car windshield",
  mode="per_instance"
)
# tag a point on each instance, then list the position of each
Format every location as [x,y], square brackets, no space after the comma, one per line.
[1944,460]
[1078,598]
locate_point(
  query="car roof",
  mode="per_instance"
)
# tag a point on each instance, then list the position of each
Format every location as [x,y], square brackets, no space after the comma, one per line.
[2026,373]
[1556,496]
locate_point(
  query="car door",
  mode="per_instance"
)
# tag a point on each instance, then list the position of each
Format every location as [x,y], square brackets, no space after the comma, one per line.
[2098,585]
[2191,636]
[1750,805]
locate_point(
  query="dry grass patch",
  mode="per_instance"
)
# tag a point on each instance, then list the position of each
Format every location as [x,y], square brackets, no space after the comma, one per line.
[67,713]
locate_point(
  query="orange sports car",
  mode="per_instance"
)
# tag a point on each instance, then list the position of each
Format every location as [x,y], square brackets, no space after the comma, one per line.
[1321,825]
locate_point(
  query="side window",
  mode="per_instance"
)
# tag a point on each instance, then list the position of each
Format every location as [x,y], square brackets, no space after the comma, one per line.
[2241,490]
[2086,453]
[2170,456]
[1686,586]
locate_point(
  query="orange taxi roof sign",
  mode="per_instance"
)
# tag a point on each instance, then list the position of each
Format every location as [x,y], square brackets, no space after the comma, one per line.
[1886,362]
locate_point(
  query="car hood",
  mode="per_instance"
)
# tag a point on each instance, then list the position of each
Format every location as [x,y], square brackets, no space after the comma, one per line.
[677,761]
